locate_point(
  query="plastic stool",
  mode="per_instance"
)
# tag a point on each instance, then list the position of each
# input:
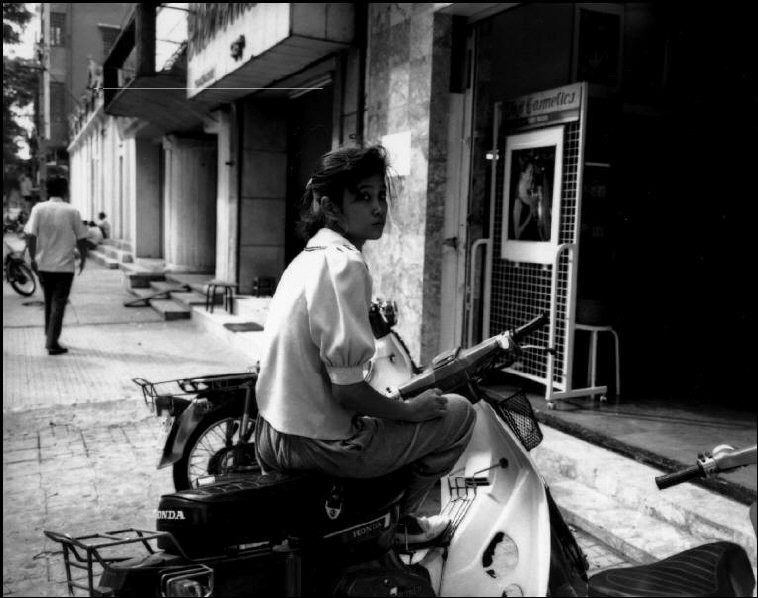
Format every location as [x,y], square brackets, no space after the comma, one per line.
[592,368]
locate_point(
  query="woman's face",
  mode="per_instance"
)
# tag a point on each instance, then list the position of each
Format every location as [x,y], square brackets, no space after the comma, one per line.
[365,211]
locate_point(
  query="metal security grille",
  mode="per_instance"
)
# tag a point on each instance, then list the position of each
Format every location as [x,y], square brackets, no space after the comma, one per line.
[519,290]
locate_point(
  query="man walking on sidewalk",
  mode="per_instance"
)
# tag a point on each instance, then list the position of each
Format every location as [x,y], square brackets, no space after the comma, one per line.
[55,229]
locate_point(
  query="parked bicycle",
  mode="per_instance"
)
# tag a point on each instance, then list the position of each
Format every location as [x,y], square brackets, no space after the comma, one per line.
[18,273]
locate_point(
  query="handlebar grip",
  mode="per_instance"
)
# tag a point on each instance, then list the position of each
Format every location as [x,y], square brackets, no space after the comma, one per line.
[672,479]
[530,326]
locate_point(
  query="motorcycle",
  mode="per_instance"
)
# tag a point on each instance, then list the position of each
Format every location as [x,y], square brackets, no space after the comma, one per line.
[207,425]
[308,534]
[208,421]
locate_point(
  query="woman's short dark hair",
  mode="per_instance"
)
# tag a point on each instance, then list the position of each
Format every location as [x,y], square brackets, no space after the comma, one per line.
[56,186]
[101,215]
[338,171]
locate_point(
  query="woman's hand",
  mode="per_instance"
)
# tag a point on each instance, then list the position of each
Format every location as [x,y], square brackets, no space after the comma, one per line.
[430,404]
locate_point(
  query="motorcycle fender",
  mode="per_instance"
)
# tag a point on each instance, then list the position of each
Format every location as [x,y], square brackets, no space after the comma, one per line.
[180,432]
[568,564]
[185,425]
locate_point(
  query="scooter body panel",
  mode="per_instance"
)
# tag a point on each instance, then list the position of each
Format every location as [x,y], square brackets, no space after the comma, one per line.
[503,542]
[390,366]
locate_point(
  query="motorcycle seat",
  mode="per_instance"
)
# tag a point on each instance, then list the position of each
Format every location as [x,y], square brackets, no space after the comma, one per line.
[249,508]
[715,569]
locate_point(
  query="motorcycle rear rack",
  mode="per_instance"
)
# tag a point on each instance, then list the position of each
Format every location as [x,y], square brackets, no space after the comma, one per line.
[85,553]
[185,387]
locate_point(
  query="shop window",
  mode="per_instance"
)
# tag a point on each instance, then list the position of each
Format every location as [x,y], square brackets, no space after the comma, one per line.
[57,102]
[57,28]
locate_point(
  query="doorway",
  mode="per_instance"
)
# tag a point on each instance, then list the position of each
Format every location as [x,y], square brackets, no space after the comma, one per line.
[309,136]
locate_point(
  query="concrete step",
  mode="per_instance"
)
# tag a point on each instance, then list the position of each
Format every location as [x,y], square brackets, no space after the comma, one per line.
[248,343]
[694,511]
[170,310]
[166,286]
[101,258]
[252,308]
[119,255]
[142,293]
[139,276]
[189,299]
[147,293]
[198,283]
[189,278]
[639,537]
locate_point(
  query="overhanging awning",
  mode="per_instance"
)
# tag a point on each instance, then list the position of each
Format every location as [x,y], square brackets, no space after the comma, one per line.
[161,100]
[290,56]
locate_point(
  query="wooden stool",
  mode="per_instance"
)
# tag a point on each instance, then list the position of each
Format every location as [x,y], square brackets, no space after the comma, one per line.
[210,294]
[592,366]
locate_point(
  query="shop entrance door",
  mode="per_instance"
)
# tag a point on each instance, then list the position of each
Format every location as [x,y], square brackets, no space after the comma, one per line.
[309,137]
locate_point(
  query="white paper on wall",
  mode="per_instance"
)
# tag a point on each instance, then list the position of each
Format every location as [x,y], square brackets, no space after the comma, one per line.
[398,147]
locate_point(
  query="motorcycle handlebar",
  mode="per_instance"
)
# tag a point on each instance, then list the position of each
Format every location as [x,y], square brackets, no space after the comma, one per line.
[532,325]
[452,370]
[678,477]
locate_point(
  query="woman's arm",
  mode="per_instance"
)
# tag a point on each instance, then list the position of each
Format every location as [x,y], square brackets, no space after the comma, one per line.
[365,400]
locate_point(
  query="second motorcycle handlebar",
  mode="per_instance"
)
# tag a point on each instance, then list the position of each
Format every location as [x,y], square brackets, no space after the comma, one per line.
[722,459]
[452,370]
[678,477]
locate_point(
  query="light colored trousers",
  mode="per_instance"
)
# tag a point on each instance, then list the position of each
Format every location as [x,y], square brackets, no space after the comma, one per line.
[379,447]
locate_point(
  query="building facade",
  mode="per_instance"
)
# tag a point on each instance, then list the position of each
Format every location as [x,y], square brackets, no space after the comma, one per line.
[74,38]
[581,116]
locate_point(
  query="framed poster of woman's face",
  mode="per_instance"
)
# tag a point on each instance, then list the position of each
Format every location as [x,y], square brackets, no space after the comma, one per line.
[531,202]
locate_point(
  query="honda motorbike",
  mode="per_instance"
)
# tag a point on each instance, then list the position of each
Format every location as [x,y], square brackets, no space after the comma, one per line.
[208,421]
[309,534]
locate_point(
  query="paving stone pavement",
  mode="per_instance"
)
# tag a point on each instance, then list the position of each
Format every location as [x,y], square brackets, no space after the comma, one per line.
[79,444]
[86,470]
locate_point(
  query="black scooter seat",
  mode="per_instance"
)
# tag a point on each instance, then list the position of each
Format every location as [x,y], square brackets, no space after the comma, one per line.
[716,569]
[243,509]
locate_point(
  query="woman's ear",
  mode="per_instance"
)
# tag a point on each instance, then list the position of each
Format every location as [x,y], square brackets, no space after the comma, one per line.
[322,203]
[333,213]
[329,207]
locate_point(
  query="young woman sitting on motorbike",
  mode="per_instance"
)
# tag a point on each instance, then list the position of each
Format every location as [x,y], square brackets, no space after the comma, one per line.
[316,413]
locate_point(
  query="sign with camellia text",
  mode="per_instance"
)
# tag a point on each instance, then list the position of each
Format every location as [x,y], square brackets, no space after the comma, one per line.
[545,107]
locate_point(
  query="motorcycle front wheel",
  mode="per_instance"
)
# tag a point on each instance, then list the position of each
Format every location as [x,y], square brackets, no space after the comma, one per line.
[22,279]
[213,450]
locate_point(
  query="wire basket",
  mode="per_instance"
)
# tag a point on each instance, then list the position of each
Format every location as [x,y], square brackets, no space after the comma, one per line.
[517,412]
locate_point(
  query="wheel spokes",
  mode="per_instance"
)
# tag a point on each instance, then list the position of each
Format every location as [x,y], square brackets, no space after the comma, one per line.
[216,440]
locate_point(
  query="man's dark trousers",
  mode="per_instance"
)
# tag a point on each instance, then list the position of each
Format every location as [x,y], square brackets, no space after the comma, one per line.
[56,286]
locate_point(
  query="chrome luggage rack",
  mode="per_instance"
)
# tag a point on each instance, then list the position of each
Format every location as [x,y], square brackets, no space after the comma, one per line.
[185,387]
[88,553]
